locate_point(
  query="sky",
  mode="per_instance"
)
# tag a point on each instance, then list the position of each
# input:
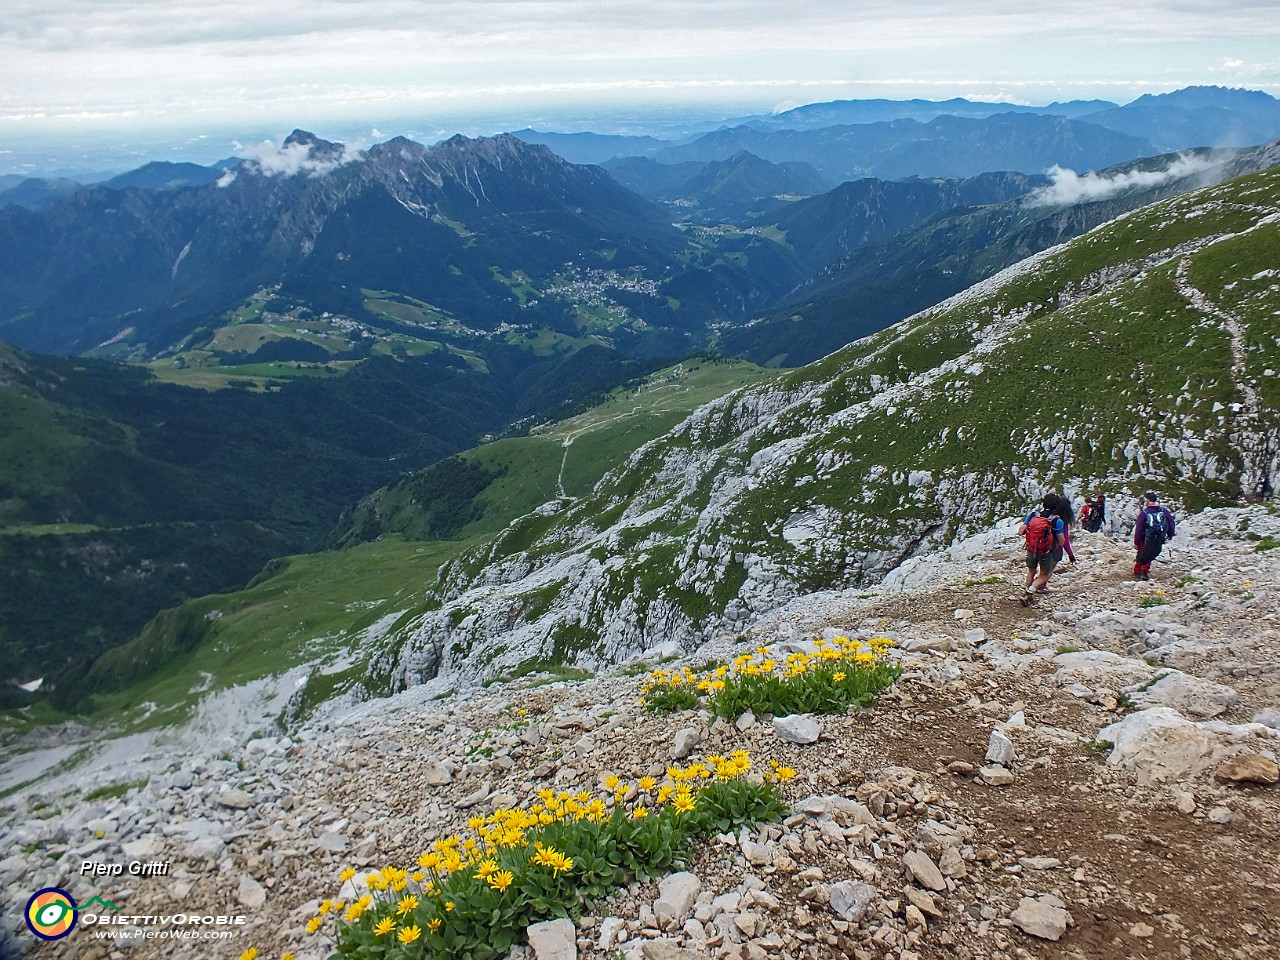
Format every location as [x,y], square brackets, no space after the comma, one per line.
[197,74]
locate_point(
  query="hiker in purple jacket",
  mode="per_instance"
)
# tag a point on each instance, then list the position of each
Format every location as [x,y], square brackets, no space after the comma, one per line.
[1154,528]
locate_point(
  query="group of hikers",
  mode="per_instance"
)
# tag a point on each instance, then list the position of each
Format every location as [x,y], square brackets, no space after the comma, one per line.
[1048,536]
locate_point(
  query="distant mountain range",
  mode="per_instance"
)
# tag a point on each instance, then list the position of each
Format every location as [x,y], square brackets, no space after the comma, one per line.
[814,116]
[316,254]
[478,233]
[861,288]
[1160,123]
[1197,117]
[37,193]
[734,190]
[944,147]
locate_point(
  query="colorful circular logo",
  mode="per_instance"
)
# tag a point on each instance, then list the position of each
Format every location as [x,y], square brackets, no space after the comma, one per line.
[51,913]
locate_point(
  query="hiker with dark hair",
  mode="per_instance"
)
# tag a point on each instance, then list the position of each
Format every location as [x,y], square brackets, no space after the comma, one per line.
[1068,516]
[1153,530]
[1094,513]
[1043,530]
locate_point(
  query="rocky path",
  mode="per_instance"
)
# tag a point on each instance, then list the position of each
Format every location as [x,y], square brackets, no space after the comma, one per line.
[973,813]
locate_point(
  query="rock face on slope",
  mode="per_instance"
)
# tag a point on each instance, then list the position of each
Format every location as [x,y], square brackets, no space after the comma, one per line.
[1140,355]
[980,810]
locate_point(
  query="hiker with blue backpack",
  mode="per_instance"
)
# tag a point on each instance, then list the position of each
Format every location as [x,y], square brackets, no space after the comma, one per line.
[1152,531]
[1045,536]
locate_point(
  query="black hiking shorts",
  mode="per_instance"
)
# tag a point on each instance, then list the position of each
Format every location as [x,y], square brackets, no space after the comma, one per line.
[1148,552]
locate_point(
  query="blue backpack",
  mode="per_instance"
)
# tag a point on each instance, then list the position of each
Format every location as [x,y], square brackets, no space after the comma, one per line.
[1157,527]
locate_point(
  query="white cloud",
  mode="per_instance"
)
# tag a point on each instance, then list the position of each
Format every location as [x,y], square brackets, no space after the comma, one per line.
[228,177]
[1069,187]
[290,159]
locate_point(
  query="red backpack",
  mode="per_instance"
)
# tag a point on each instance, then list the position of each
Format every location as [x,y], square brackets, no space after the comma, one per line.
[1040,535]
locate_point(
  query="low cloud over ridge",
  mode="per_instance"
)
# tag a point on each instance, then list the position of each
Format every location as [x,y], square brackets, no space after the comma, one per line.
[1069,187]
[291,159]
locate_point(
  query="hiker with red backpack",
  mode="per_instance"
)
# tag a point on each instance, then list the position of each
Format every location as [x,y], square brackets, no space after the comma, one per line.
[1153,530]
[1044,532]
[1094,513]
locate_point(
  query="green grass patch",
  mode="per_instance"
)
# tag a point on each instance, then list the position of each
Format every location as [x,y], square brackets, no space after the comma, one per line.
[313,608]
[1097,749]
[545,670]
[49,529]
[113,791]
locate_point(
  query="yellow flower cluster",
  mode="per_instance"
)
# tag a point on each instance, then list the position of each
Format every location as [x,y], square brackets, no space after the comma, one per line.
[841,651]
[412,903]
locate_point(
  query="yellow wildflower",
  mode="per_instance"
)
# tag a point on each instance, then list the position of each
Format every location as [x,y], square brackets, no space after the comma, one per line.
[409,934]
[314,924]
[640,812]
[353,912]
[383,926]
[433,924]
[684,802]
[500,880]
[611,782]
[250,954]
[549,857]
[647,783]
[407,905]
[838,676]
[346,874]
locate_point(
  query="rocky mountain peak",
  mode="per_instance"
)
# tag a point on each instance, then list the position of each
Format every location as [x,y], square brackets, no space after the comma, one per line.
[320,149]
[494,150]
